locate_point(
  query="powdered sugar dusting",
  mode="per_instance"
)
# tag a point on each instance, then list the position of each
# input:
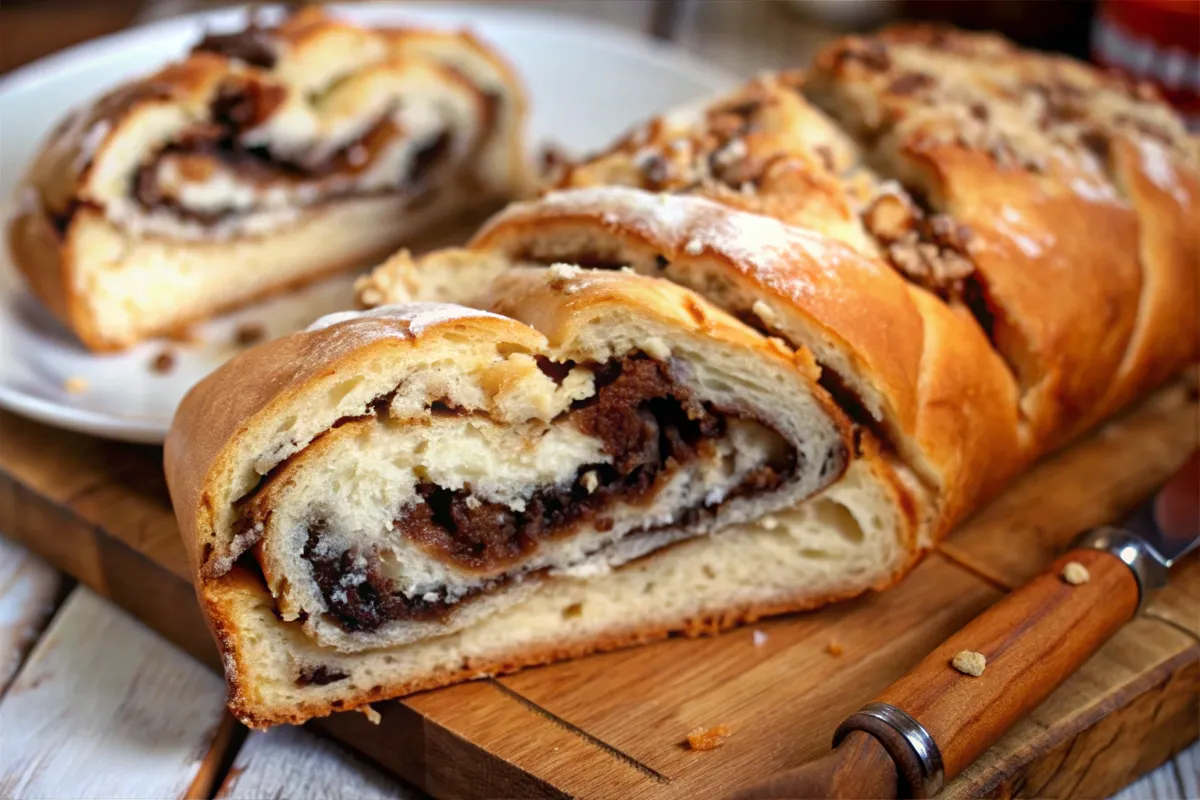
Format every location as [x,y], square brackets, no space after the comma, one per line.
[786,258]
[419,316]
[1156,163]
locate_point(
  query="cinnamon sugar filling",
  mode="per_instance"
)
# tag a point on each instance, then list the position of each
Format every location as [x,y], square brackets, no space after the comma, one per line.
[651,427]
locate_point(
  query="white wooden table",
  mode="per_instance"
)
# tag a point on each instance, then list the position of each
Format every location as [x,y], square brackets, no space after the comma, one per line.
[94,705]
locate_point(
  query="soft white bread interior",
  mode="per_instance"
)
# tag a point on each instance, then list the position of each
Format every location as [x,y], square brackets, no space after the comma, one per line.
[833,547]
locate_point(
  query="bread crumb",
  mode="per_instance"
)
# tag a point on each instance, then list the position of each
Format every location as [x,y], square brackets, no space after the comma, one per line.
[760,638]
[76,385]
[768,523]
[764,312]
[1075,573]
[710,739]
[249,333]
[373,716]
[834,649]
[656,348]
[561,270]
[589,481]
[163,363]
[559,275]
[970,663]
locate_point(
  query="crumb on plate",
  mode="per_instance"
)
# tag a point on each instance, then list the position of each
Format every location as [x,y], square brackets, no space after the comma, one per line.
[249,333]
[76,385]
[164,362]
[970,663]
[1075,573]
[708,739]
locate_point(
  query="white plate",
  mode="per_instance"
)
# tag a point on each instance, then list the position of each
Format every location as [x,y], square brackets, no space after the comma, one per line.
[587,83]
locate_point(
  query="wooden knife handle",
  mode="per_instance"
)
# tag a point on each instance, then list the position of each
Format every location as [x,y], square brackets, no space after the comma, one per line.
[1033,640]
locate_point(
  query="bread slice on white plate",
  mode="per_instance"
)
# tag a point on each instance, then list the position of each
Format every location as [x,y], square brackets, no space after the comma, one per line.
[263,160]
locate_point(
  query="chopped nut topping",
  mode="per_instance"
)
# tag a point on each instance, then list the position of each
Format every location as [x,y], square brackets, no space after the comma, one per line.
[890,217]
[928,266]
[911,83]
[872,55]
[970,663]
[1075,573]
[710,739]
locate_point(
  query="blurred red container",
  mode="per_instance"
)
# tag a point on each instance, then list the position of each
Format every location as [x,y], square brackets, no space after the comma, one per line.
[1156,41]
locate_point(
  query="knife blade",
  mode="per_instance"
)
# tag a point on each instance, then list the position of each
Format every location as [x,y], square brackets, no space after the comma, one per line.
[937,719]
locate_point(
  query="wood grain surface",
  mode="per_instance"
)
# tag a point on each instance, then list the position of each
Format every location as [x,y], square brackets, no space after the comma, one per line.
[29,593]
[306,764]
[615,724]
[1042,631]
[104,708]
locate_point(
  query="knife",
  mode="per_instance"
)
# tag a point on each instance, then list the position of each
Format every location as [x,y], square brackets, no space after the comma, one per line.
[933,722]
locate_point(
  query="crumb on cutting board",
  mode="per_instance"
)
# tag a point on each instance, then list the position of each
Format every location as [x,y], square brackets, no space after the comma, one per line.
[970,663]
[834,649]
[760,638]
[76,385]
[1075,573]
[708,738]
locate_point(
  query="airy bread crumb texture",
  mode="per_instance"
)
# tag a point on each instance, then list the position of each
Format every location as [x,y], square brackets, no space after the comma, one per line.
[968,662]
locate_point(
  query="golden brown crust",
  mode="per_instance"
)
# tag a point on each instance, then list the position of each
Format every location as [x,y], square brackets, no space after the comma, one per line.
[955,426]
[1031,153]
[36,253]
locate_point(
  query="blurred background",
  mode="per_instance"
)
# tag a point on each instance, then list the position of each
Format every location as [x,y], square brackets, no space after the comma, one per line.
[1155,40]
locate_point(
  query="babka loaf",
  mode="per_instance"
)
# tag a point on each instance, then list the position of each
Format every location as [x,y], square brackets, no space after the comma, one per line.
[392,481]
[266,158]
[954,254]
[993,310]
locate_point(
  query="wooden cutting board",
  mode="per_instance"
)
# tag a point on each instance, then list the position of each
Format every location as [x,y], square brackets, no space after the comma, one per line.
[613,725]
